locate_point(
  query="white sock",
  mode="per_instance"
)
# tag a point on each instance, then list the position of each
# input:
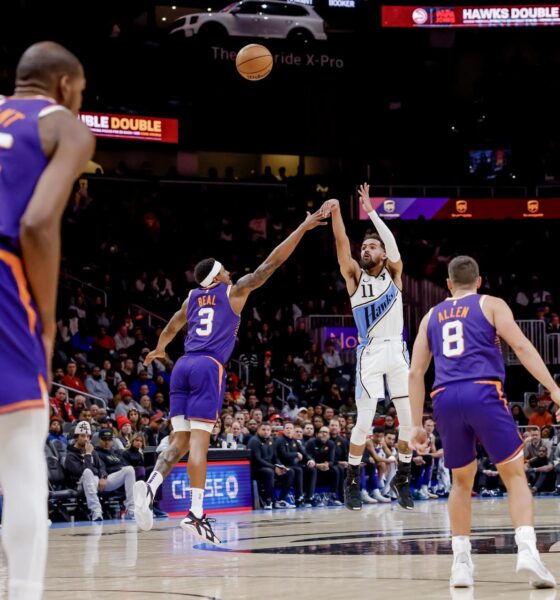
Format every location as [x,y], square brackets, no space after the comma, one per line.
[154,481]
[461,544]
[354,460]
[197,496]
[405,458]
[526,539]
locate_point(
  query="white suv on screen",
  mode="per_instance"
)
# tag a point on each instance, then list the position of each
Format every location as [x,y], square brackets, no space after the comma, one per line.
[251,18]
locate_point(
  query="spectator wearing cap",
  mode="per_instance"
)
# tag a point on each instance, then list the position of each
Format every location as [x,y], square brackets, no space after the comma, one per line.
[127,402]
[55,430]
[86,472]
[117,398]
[119,473]
[152,432]
[124,427]
[96,386]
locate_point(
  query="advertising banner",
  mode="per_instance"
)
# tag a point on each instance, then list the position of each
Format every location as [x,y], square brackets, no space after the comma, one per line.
[228,488]
[345,338]
[453,208]
[503,15]
[128,127]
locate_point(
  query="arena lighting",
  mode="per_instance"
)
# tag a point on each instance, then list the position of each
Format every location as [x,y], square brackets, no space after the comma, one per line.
[503,15]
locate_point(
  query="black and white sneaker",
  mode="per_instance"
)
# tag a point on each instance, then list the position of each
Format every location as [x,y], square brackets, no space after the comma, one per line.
[400,485]
[143,505]
[352,492]
[201,528]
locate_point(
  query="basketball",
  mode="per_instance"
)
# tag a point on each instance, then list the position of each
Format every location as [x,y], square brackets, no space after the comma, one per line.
[254,62]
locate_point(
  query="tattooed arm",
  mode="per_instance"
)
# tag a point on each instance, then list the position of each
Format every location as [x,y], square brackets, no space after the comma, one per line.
[241,290]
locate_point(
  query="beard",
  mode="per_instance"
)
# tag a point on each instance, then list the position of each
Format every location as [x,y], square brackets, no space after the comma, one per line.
[368,263]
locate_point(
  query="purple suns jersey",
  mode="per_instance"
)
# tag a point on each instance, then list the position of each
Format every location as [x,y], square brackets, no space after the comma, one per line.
[464,344]
[212,324]
[22,160]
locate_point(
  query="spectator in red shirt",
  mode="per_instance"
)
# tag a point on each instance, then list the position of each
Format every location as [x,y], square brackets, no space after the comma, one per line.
[71,380]
[542,417]
[61,405]
[104,340]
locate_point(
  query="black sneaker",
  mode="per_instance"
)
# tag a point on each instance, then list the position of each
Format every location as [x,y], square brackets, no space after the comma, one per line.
[201,528]
[352,498]
[400,485]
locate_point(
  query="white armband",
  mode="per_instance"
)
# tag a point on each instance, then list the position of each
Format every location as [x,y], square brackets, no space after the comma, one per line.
[388,239]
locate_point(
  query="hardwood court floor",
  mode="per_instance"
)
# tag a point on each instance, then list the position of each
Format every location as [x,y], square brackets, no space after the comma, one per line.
[330,553]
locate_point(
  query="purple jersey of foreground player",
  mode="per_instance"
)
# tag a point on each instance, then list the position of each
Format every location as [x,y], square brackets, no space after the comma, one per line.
[468,397]
[22,162]
[212,324]
[464,343]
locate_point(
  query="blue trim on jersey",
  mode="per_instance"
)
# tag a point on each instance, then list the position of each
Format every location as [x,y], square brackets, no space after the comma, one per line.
[368,315]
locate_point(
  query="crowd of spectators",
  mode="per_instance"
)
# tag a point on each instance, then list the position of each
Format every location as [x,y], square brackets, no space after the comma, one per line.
[138,260]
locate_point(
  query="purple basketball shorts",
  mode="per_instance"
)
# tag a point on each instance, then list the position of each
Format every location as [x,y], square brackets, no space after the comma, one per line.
[465,411]
[22,355]
[197,388]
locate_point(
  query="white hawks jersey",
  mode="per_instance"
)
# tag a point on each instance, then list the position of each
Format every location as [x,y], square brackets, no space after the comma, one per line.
[377,307]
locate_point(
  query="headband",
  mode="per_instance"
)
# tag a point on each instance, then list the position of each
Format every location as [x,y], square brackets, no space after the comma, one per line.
[213,272]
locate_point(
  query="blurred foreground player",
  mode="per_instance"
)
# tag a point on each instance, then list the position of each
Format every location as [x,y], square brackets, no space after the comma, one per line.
[43,149]
[212,313]
[469,403]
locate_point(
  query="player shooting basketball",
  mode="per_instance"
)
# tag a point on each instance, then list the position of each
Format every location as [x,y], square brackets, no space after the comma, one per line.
[374,285]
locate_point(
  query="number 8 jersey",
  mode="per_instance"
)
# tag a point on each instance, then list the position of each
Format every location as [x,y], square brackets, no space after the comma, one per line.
[465,345]
[212,324]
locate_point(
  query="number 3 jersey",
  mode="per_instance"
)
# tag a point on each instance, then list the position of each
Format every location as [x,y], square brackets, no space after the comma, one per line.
[212,324]
[377,307]
[465,345]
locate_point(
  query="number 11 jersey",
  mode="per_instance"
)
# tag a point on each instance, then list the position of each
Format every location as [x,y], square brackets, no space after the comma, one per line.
[465,345]
[212,323]
[377,307]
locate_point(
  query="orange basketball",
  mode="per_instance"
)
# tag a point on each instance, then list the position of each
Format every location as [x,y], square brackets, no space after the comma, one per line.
[254,62]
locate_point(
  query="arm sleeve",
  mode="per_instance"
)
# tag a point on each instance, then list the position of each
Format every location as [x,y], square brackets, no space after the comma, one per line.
[386,236]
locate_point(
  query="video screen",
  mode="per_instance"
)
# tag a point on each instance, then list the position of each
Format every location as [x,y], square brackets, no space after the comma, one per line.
[295,20]
[488,164]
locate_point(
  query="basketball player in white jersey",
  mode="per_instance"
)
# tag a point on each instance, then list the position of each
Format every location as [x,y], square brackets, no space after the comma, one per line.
[374,285]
